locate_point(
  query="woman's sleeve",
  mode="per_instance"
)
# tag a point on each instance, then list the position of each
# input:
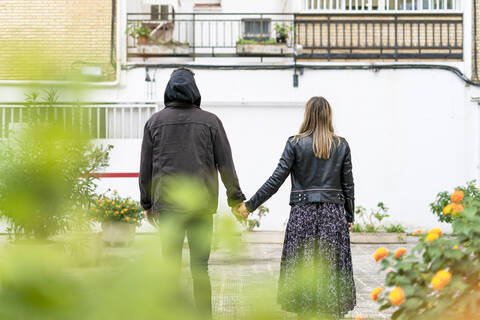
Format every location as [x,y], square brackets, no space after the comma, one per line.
[348,186]
[276,180]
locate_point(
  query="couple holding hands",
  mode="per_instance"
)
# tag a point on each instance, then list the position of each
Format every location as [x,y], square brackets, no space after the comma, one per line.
[316,277]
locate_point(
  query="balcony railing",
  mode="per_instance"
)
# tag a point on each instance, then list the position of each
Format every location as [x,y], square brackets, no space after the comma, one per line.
[383,5]
[394,36]
[101,120]
[200,35]
[325,36]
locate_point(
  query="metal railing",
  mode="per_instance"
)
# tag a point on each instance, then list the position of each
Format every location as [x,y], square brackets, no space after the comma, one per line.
[332,35]
[395,36]
[204,34]
[101,120]
[383,5]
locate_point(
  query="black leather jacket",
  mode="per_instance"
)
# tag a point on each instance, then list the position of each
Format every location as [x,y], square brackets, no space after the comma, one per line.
[314,180]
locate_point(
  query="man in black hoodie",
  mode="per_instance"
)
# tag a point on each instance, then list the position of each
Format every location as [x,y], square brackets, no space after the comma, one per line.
[183,148]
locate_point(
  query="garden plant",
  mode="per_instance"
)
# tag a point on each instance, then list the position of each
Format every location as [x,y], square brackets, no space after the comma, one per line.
[439,278]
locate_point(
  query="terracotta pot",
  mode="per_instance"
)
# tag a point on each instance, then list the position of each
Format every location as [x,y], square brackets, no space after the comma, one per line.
[142,40]
[118,233]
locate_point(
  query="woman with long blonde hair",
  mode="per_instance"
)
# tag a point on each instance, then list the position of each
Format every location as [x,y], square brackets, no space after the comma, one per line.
[316,277]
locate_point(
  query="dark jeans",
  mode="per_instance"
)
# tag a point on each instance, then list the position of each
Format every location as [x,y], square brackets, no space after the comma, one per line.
[199,229]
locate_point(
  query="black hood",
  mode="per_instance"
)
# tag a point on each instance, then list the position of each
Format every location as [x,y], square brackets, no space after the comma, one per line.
[182,90]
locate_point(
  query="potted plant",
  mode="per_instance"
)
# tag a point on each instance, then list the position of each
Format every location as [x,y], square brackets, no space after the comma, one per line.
[368,227]
[139,31]
[282,31]
[119,218]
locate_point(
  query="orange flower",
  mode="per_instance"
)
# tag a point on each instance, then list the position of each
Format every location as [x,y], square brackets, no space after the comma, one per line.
[457,196]
[437,231]
[380,254]
[113,202]
[441,279]
[108,200]
[134,220]
[397,296]
[399,252]
[375,293]
[417,232]
[358,318]
[432,237]
[127,219]
[457,208]
[123,202]
[116,212]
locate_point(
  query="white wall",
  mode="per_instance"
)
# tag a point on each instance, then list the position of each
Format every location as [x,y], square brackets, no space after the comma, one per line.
[412,133]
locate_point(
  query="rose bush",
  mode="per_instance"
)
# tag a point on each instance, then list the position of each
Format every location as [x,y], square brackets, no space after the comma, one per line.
[447,203]
[439,277]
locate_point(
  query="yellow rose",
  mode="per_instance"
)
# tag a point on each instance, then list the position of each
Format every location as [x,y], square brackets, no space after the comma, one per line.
[448,209]
[375,293]
[441,279]
[432,237]
[397,296]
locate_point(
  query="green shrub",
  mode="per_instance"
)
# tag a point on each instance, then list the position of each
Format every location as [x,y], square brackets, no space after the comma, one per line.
[372,221]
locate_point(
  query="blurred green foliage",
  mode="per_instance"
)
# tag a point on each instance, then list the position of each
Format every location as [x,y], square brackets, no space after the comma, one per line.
[46,171]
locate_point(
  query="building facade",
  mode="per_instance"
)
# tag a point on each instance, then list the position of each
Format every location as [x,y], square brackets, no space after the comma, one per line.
[401,76]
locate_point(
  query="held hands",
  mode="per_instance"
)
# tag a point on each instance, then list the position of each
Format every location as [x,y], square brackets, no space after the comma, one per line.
[240,211]
[150,217]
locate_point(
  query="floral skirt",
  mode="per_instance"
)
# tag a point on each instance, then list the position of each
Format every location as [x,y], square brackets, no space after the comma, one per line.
[316,276]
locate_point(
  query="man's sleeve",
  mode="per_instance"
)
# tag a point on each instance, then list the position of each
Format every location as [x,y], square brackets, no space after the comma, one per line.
[224,163]
[145,175]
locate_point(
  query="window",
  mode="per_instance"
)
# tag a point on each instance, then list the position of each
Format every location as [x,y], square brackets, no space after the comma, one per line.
[161,12]
[256,29]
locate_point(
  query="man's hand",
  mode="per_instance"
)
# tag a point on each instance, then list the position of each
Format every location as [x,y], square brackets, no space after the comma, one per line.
[150,218]
[350,226]
[240,211]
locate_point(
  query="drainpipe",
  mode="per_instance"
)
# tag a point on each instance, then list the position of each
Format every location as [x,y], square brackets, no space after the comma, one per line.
[475,58]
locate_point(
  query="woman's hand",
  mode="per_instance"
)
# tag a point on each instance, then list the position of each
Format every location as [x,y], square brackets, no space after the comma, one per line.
[350,226]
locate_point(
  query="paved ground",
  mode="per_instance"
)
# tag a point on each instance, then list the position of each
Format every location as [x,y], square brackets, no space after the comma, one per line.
[259,267]
[252,276]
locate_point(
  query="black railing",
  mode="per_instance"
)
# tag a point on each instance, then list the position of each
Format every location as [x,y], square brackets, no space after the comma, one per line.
[314,36]
[205,34]
[392,36]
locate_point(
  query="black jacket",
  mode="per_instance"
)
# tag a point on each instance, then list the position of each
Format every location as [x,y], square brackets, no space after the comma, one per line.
[313,180]
[183,148]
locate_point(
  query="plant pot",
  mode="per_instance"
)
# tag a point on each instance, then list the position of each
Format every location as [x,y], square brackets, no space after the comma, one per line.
[282,39]
[164,49]
[378,237]
[255,49]
[116,233]
[142,40]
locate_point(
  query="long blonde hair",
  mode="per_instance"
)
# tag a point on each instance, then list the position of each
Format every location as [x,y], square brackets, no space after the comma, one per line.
[318,123]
